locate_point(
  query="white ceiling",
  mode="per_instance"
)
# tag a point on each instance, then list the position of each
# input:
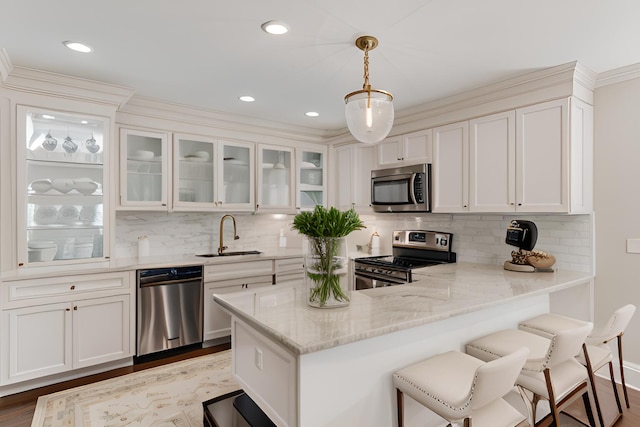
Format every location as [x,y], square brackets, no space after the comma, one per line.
[206,53]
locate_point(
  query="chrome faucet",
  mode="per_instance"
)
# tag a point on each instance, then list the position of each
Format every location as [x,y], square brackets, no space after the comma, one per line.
[235,233]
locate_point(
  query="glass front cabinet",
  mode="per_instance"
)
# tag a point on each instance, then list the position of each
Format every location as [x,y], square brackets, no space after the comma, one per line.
[276,189]
[62,211]
[312,179]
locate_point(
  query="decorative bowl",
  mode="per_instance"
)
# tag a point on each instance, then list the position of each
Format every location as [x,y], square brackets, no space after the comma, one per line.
[85,187]
[45,215]
[68,214]
[41,185]
[142,155]
[63,185]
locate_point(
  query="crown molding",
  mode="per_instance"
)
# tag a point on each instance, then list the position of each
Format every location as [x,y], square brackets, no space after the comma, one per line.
[224,123]
[52,84]
[5,64]
[618,75]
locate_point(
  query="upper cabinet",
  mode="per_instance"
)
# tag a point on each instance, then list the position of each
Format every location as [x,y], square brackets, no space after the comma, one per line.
[450,169]
[312,179]
[409,149]
[533,159]
[62,187]
[194,173]
[352,165]
[144,169]
[276,179]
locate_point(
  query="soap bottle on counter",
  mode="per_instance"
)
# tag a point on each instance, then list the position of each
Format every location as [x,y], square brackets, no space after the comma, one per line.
[374,244]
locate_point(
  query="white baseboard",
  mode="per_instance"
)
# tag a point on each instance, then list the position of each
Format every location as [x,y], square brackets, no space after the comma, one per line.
[631,374]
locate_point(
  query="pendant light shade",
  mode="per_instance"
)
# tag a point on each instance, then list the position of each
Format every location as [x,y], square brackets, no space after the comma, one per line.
[369,112]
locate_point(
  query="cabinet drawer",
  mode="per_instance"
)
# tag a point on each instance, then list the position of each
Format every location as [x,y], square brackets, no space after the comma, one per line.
[16,292]
[250,282]
[283,266]
[217,272]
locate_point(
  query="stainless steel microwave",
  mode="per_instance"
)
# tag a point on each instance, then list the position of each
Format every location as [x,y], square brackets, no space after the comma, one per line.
[401,189]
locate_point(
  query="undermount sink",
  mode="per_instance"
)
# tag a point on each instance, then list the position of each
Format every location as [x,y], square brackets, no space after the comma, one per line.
[233,253]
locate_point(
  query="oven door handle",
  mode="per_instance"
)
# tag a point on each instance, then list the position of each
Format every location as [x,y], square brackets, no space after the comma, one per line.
[380,278]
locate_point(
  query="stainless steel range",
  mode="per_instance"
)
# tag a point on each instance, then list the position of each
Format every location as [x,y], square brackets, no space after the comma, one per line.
[411,249]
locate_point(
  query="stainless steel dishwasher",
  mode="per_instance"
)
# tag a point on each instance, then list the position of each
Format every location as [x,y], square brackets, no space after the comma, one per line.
[169,308]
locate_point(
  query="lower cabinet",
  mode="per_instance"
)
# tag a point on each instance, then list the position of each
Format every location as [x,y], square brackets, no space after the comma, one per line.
[42,336]
[228,278]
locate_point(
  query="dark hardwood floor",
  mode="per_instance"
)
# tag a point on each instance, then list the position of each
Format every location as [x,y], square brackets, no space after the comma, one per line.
[17,410]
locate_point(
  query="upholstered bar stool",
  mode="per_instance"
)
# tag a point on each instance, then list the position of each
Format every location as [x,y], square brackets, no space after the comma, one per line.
[598,351]
[551,371]
[461,388]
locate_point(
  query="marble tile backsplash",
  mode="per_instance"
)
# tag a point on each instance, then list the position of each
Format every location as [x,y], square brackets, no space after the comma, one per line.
[477,238]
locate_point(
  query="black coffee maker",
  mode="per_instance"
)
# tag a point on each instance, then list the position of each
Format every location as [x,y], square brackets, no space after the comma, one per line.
[522,234]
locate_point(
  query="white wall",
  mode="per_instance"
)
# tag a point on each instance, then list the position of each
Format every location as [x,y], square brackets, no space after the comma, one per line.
[617,208]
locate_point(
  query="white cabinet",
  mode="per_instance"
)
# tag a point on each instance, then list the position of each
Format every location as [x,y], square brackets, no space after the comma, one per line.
[196,174]
[50,326]
[227,278]
[312,179]
[62,187]
[352,186]
[450,169]
[554,157]
[492,154]
[144,170]
[409,149]
[276,179]
[533,159]
[288,269]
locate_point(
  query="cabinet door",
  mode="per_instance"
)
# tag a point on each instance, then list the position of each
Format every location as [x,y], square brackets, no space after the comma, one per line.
[276,178]
[101,330]
[344,174]
[62,190]
[237,179]
[36,342]
[352,186]
[451,168]
[144,170]
[417,147]
[492,157]
[541,157]
[194,172]
[390,151]
[312,179]
[217,322]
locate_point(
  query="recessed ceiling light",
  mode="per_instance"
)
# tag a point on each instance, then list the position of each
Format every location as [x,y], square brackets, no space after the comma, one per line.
[311,114]
[246,98]
[84,122]
[275,27]
[78,47]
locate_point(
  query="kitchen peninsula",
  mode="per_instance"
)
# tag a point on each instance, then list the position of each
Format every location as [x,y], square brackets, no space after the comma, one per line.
[316,367]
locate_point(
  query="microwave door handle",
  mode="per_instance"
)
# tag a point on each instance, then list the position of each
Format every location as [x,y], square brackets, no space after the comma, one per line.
[412,189]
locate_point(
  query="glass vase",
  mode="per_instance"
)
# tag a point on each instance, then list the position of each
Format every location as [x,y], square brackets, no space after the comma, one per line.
[326,272]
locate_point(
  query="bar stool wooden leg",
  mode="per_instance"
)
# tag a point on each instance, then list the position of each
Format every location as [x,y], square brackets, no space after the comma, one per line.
[400,403]
[624,385]
[615,388]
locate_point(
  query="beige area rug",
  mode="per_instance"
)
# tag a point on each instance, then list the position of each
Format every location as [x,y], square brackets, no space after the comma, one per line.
[169,395]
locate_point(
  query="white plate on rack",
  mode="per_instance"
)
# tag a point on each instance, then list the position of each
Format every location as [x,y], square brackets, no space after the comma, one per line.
[235,162]
[195,159]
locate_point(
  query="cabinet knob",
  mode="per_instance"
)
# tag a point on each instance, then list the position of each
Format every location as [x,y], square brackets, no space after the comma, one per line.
[72,287]
[511,203]
[75,307]
[465,206]
[519,204]
[67,309]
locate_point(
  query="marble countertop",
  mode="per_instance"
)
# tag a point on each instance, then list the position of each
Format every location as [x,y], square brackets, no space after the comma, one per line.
[134,263]
[437,293]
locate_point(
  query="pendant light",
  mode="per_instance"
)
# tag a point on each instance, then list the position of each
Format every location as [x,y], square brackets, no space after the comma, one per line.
[369,111]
